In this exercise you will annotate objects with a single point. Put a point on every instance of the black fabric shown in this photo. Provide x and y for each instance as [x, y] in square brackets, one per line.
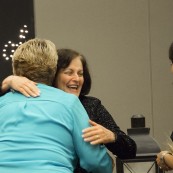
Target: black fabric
[171, 136]
[1, 89]
[1, 93]
[124, 147]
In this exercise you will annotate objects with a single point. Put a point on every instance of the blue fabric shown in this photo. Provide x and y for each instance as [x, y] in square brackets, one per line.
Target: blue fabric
[43, 135]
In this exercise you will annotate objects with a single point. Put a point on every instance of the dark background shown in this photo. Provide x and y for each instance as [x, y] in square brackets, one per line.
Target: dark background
[14, 14]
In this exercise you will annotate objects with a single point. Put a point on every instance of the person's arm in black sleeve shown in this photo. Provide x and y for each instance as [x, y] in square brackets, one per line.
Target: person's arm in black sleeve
[5, 85]
[1, 89]
[2, 92]
[123, 147]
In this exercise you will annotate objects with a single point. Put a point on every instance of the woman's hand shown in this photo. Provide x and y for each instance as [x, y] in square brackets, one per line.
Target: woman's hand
[161, 163]
[22, 85]
[98, 134]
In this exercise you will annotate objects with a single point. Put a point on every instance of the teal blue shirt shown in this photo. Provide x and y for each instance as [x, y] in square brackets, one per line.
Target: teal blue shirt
[43, 135]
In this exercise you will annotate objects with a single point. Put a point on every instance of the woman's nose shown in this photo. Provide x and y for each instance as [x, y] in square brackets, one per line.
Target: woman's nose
[76, 77]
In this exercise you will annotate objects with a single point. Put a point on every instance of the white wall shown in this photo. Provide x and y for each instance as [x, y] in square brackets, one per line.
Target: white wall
[126, 44]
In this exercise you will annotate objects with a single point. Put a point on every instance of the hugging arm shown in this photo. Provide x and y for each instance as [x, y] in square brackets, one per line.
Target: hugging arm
[20, 84]
[93, 158]
[123, 146]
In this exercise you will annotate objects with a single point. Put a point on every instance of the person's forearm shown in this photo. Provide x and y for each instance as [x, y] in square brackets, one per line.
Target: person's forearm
[168, 159]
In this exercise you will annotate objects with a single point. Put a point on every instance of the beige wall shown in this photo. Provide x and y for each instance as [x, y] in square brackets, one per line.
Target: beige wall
[126, 43]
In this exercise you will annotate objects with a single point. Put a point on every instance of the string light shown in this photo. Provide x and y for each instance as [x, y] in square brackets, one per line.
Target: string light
[11, 46]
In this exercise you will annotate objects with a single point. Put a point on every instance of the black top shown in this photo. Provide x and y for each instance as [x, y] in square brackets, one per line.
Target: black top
[124, 147]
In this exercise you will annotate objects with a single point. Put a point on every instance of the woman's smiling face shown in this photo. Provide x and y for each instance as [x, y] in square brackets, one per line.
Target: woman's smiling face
[71, 78]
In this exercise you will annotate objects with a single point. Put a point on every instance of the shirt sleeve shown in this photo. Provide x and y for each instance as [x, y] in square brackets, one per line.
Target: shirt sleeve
[124, 147]
[93, 158]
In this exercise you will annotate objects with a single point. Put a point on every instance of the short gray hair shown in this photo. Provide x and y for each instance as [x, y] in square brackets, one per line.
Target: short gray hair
[37, 60]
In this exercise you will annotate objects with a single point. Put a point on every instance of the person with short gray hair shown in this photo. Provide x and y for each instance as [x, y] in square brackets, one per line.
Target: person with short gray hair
[44, 134]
